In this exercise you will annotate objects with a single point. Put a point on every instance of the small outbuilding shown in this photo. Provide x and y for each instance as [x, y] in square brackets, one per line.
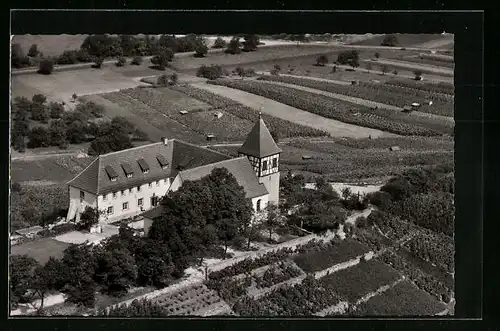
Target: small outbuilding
[407, 109]
[306, 157]
[394, 148]
[210, 137]
[183, 112]
[218, 114]
[415, 105]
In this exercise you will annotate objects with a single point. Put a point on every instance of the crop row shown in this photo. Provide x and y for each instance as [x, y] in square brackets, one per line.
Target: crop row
[283, 128]
[333, 254]
[431, 61]
[275, 275]
[410, 143]
[171, 127]
[353, 283]
[404, 299]
[392, 226]
[436, 248]
[304, 299]
[441, 87]
[426, 282]
[387, 94]
[438, 57]
[326, 107]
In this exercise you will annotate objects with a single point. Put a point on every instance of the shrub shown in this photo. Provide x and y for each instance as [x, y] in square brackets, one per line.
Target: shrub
[98, 62]
[274, 72]
[219, 43]
[67, 57]
[18, 58]
[398, 188]
[83, 56]
[390, 40]
[212, 72]
[234, 46]
[56, 110]
[277, 67]
[322, 60]
[39, 137]
[137, 60]
[46, 67]
[121, 61]
[33, 51]
[200, 48]
[348, 57]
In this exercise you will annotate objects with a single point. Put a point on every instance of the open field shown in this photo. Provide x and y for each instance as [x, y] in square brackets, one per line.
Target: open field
[286, 112]
[41, 249]
[404, 299]
[424, 68]
[50, 45]
[410, 40]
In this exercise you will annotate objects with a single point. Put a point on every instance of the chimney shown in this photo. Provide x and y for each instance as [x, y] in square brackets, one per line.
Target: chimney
[164, 140]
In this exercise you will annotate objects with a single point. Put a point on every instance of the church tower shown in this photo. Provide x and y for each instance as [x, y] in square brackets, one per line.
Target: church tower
[263, 154]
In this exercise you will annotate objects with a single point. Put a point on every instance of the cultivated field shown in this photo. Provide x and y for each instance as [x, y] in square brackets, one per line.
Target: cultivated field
[50, 45]
[283, 111]
[41, 249]
[412, 40]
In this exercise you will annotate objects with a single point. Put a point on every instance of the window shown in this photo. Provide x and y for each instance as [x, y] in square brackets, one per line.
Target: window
[114, 195]
[82, 195]
[125, 205]
[264, 166]
[130, 190]
[129, 175]
[157, 183]
[154, 201]
[104, 197]
[123, 192]
[258, 205]
[138, 188]
[110, 210]
[150, 185]
[140, 202]
[165, 181]
[275, 162]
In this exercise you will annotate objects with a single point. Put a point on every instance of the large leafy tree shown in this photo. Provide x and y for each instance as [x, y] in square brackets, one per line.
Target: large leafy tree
[116, 270]
[22, 271]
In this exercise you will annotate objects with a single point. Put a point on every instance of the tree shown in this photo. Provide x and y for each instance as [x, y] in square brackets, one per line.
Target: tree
[22, 271]
[210, 72]
[384, 68]
[240, 71]
[56, 110]
[46, 67]
[219, 43]
[128, 44]
[234, 46]
[112, 142]
[58, 131]
[348, 57]
[394, 72]
[227, 231]
[162, 58]
[39, 113]
[322, 60]
[89, 217]
[418, 74]
[368, 66]
[98, 61]
[67, 57]
[250, 43]
[115, 271]
[346, 193]
[200, 47]
[18, 58]
[39, 137]
[79, 262]
[33, 51]
[272, 219]
[121, 61]
[137, 60]
[74, 97]
[154, 262]
[321, 183]
[102, 46]
[277, 67]
[390, 40]
[174, 78]
[76, 132]
[398, 188]
[377, 55]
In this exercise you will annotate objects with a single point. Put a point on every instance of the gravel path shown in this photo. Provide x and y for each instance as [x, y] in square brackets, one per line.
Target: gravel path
[276, 109]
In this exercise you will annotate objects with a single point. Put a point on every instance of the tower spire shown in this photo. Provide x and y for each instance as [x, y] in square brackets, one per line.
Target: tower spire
[260, 113]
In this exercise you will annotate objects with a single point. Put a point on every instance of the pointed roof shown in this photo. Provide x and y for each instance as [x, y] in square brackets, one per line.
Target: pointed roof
[259, 142]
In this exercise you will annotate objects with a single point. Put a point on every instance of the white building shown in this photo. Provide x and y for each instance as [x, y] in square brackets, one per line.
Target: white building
[129, 182]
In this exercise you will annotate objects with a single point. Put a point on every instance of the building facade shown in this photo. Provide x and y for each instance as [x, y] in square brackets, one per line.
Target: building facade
[130, 182]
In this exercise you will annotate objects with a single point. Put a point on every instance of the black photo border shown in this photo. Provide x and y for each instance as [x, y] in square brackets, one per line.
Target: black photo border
[468, 29]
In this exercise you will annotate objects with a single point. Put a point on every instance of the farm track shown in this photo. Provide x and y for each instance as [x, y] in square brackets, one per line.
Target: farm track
[414, 66]
[285, 112]
[431, 79]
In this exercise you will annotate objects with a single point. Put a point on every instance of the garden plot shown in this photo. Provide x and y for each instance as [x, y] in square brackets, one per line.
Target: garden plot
[404, 299]
[268, 106]
[196, 300]
[337, 252]
[414, 66]
[41, 250]
[354, 283]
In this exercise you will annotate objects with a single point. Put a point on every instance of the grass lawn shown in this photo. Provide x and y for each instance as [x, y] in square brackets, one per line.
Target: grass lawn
[353, 283]
[404, 299]
[57, 169]
[40, 249]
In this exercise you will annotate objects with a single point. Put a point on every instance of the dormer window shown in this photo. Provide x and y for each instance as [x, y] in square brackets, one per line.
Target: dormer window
[143, 165]
[113, 176]
[162, 161]
[127, 169]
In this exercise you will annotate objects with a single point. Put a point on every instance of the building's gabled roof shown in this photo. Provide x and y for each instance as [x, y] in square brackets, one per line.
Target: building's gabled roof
[95, 179]
[259, 142]
[239, 167]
